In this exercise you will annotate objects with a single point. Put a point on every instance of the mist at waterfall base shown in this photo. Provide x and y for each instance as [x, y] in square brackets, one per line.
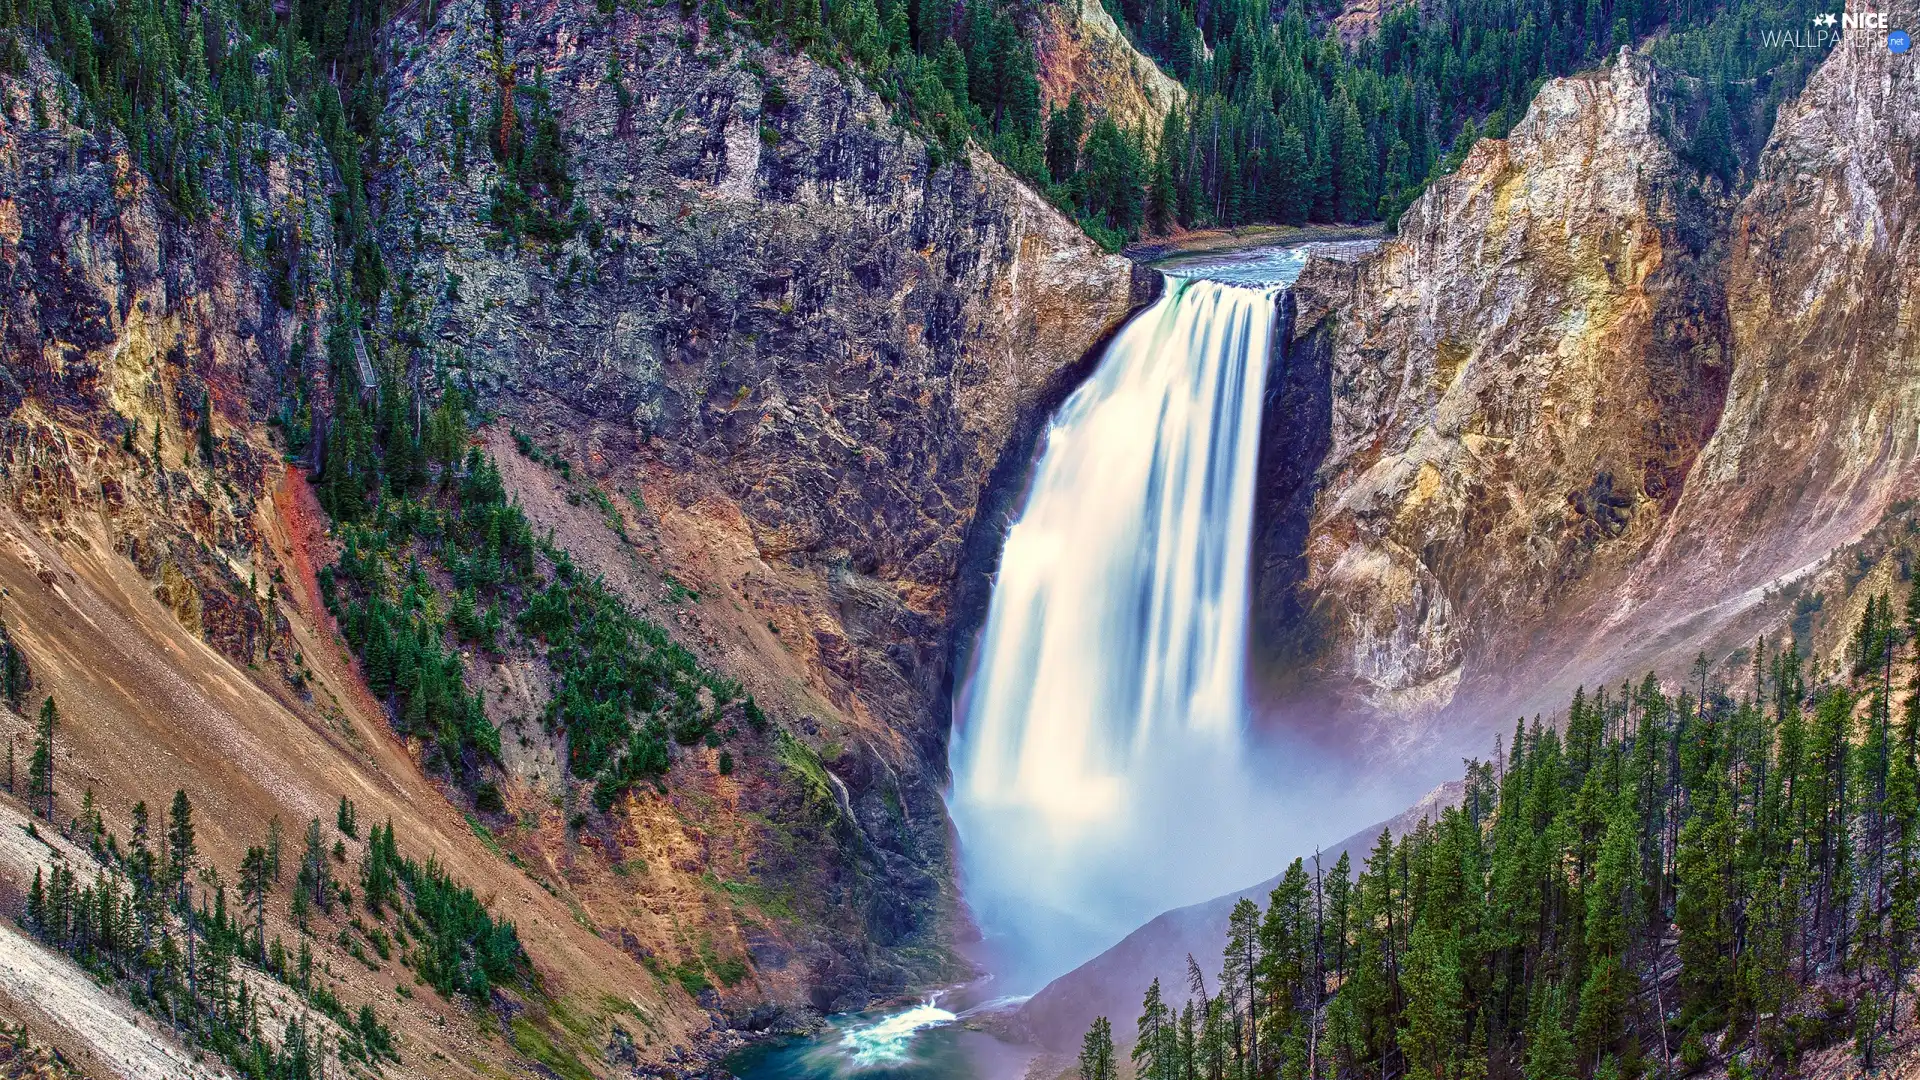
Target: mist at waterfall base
[1102, 770]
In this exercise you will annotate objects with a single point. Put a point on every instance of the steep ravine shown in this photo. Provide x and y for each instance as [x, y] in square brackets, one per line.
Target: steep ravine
[1578, 420]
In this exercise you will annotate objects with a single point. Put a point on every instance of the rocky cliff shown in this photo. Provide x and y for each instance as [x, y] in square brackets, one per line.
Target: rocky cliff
[803, 348]
[144, 351]
[1586, 417]
[1819, 440]
[1518, 388]
[1583, 417]
[156, 568]
[774, 386]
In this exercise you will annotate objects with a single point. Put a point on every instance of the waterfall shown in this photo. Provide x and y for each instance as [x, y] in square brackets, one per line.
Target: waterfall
[1101, 724]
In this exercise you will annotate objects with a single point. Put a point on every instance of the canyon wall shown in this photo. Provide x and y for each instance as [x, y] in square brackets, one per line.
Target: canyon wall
[776, 388]
[157, 563]
[1584, 413]
[803, 346]
[1083, 52]
[144, 352]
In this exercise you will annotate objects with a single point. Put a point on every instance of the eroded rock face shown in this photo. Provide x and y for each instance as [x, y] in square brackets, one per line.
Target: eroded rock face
[1820, 435]
[806, 347]
[1582, 414]
[1082, 51]
[1519, 381]
[128, 328]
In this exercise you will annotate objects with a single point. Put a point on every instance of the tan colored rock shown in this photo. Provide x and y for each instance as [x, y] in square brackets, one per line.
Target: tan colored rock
[1081, 50]
[1570, 444]
[1820, 436]
[1494, 438]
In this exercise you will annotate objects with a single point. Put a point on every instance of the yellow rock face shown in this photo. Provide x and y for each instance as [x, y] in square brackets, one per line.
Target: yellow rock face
[1568, 446]
[1081, 50]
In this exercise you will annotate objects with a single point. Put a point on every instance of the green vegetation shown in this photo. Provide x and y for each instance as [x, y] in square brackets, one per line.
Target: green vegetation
[157, 924]
[531, 1041]
[1764, 841]
[612, 667]
[419, 523]
[955, 72]
[463, 949]
[196, 97]
[16, 679]
[40, 765]
[534, 195]
[1096, 1049]
[774, 905]
[1285, 124]
[390, 609]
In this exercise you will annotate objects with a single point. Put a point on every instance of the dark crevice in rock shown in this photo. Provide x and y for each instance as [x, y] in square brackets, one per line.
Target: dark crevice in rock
[1296, 431]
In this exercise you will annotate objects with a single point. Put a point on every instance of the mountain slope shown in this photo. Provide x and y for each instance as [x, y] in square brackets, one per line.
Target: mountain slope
[775, 403]
[787, 350]
[1582, 420]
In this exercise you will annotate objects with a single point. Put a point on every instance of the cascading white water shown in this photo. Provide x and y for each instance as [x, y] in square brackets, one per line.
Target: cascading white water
[1102, 721]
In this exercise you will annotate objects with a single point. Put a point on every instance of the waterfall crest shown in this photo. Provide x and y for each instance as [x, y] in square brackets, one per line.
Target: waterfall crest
[1108, 678]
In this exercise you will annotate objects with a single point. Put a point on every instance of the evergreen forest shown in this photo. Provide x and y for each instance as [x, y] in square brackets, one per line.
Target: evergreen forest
[1681, 876]
[156, 919]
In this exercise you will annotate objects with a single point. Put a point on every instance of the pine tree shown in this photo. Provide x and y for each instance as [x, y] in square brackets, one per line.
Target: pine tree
[204, 434]
[1320, 178]
[1065, 129]
[37, 915]
[1353, 163]
[1713, 142]
[182, 852]
[379, 869]
[1156, 1051]
[1238, 969]
[315, 881]
[1434, 1022]
[15, 679]
[1339, 906]
[1292, 178]
[1549, 1053]
[1096, 1052]
[1163, 196]
[256, 883]
[40, 766]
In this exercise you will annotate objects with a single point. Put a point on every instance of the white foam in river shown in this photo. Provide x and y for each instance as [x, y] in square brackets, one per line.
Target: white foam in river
[889, 1040]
